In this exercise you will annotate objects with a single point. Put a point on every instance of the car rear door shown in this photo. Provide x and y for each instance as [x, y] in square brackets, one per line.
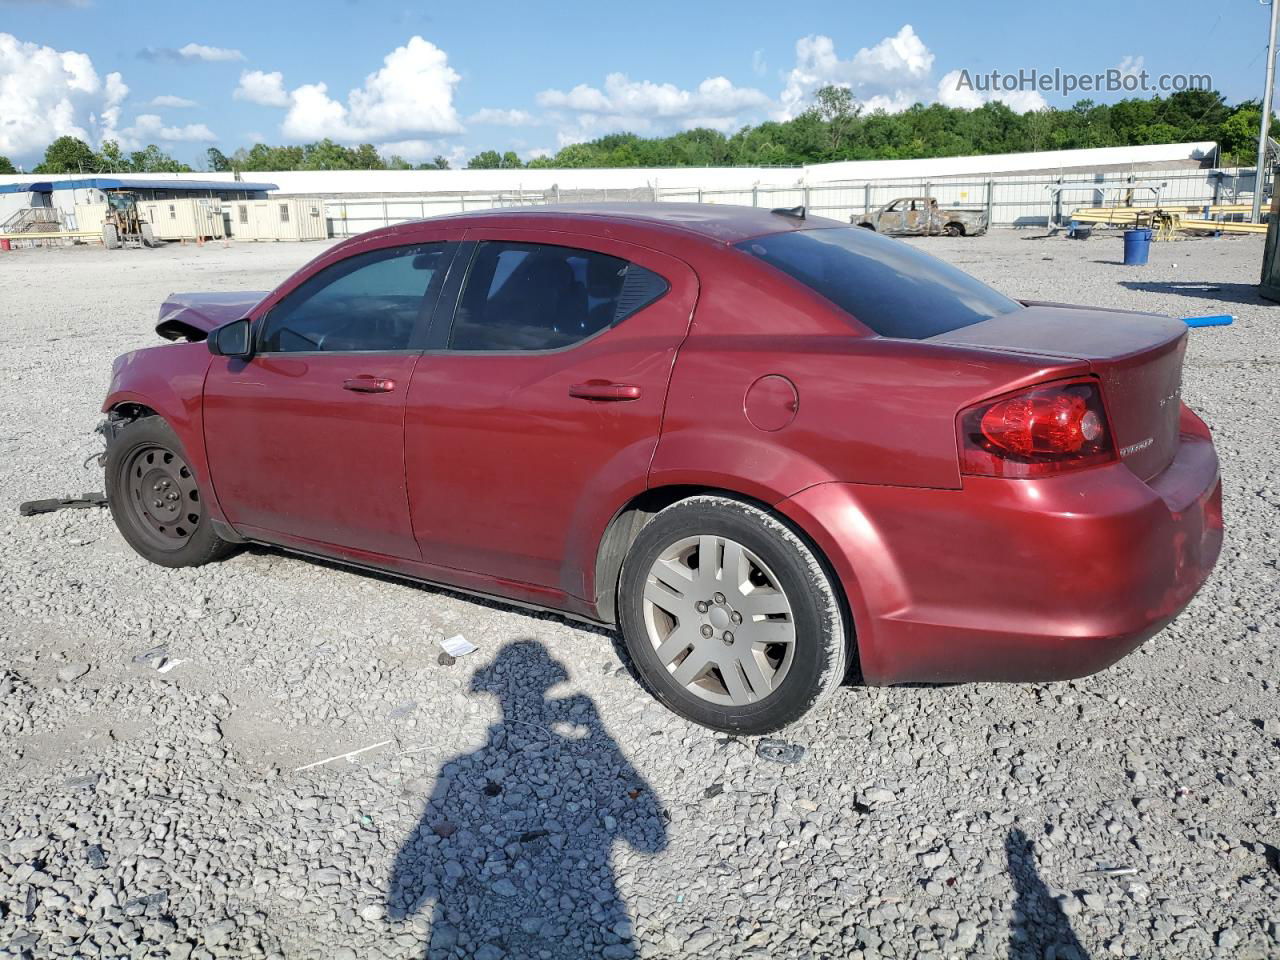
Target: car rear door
[539, 410]
[305, 439]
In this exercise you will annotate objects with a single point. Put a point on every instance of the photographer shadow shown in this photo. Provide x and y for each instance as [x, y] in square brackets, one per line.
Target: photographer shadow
[514, 851]
[1045, 930]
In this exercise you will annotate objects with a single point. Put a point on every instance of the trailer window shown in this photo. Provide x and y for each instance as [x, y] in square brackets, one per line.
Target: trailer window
[284, 213]
[891, 287]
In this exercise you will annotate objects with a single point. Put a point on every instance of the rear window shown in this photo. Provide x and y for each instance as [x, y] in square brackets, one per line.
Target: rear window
[889, 286]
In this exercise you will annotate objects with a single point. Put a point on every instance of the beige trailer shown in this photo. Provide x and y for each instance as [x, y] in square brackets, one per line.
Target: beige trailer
[279, 219]
[186, 219]
[90, 216]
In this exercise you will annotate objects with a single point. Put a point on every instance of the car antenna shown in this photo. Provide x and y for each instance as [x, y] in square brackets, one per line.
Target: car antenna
[797, 212]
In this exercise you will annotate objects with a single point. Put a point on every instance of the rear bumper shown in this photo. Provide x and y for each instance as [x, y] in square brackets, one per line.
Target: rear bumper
[1017, 580]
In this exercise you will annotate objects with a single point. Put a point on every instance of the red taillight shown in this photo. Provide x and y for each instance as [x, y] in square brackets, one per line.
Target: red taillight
[1039, 431]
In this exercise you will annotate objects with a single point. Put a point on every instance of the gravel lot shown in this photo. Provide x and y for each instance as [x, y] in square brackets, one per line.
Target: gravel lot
[530, 800]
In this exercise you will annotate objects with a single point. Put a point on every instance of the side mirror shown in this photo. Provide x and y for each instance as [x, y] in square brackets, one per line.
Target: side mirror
[231, 340]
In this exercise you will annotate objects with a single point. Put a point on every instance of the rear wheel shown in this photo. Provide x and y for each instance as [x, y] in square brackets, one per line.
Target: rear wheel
[155, 499]
[148, 235]
[954, 229]
[110, 236]
[867, 226]
[729, 617]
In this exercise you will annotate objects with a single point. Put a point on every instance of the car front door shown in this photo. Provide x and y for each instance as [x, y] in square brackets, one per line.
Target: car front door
[891, 218]
[305, 439]
[543, 407]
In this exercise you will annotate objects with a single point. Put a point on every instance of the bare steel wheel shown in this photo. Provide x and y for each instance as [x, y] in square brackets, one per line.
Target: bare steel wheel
[730, 618]
[163, 495]
[718, 620]
[156, 499]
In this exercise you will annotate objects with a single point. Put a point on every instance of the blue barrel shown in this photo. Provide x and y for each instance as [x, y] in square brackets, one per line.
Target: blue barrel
[1137, 246]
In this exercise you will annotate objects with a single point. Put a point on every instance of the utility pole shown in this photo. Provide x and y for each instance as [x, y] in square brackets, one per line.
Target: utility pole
[1259, 176]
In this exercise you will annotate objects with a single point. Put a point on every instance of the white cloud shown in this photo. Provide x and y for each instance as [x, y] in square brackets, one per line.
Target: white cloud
[539, 152]
[411, 94]
[114, 92]
[1131, 66]
[47, 93]
[953, 93]
[502, 118]
[1022, 101]
[420, 151]
[758, 65]
[199, 51]
[149, 128]
[642, 106]
[415, 151]
[168, 100]
[262, 88]
[891, 75]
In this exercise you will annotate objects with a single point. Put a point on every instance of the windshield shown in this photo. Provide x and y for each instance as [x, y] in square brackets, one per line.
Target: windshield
[889, 286]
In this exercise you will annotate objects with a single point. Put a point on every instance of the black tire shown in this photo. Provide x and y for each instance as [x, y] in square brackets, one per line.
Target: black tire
[821, 647]
[954, 229]
[868, 226]
[147, 452]
[148, 236]
[110, 236]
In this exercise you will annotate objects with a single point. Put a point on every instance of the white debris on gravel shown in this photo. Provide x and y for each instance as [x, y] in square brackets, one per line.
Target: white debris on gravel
[534, 801]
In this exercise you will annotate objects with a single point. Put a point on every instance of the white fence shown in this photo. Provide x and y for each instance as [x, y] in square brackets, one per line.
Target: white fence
[1009, 201]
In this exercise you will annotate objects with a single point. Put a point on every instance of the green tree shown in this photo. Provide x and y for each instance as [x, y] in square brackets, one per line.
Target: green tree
[327, 155]
[6, 165]
[365, 157]
[576, 155]
[833, 128]
[838, 111]
[1238, 134]
[486, 160]
[111, 159]
[154, 160]
[397, 162]
[218, 161]
[67, 155]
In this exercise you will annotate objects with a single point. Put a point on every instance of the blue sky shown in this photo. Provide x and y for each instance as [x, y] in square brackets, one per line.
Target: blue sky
[424, 79]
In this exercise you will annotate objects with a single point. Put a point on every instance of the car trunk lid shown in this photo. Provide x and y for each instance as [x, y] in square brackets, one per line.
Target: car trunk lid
[1136, 356]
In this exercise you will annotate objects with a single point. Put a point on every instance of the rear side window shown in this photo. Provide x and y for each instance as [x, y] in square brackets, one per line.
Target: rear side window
[371, 301]
[891, 287]
[528, 296]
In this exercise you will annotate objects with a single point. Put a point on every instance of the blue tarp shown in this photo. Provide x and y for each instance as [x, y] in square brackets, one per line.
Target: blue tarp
[114, 183]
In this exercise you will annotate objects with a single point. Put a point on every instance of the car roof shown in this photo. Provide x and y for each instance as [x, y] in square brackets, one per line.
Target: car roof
[721, 222]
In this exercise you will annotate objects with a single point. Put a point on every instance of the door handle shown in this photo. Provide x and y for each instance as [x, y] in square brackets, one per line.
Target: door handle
[369, 385]
[604, 390]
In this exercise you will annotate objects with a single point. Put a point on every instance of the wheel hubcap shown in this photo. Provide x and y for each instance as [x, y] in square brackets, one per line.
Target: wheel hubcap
[163, 496]
[719, 620]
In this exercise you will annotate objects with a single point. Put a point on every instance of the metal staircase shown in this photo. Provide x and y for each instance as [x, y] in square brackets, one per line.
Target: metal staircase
[33, 220]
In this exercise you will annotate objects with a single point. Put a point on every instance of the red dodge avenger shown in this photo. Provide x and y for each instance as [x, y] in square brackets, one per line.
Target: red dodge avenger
[765, 445]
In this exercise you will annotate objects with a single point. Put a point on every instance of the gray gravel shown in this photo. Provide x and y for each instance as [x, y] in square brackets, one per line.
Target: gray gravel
[529, 800]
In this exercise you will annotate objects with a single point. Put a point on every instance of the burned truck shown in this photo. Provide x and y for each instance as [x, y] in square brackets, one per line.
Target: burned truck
[922, 217]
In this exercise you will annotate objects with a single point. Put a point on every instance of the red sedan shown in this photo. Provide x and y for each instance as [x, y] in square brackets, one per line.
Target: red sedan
[764, 445]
